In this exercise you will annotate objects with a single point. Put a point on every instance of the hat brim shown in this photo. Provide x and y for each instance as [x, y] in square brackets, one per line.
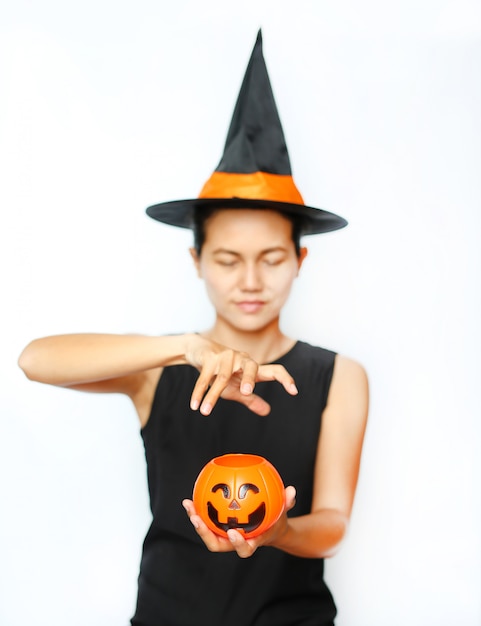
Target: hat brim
[180, 212]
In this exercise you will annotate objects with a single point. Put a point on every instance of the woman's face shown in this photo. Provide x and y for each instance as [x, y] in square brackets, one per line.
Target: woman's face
[248, 262]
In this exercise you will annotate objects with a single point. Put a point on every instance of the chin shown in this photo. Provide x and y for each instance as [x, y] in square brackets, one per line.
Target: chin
[252, 323]
[249, 323]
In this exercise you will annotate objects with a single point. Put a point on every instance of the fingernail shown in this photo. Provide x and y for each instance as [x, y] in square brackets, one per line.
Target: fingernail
[246, 388]
[293, 388]
[195, 523]
[206, 408]
[194, 405]
[232, 537]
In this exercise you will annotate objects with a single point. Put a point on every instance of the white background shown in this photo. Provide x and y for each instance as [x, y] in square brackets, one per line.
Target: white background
[109, 106]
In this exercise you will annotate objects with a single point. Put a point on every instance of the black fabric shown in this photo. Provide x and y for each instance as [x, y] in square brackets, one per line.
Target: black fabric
[181, 583]
[255, 140]
[181, 212]
[255, 143]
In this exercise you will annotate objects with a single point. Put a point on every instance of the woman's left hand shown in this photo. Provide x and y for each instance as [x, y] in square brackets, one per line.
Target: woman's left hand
[236, 540]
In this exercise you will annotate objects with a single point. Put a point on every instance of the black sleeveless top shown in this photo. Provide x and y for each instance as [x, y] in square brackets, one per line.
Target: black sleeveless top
[181, 583]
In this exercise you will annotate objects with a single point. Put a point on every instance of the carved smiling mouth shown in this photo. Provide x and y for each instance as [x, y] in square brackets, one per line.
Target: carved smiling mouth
[255, 519]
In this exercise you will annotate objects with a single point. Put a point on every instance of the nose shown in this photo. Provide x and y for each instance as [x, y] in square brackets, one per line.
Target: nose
[251, 279]
[234, 505]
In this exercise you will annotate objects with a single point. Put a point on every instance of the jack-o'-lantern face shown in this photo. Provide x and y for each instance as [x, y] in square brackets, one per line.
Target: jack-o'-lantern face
[242, 491]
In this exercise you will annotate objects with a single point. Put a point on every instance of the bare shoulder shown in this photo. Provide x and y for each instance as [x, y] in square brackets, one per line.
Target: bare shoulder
[348, 371]
[349, 391]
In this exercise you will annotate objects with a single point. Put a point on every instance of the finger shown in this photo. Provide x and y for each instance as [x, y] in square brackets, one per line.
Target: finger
[256, 404]
[279, 373]
[243, 548]
[202, 395]
[218, 385]
[237, 366]
[290, 494]
[249, 373]
[213, 542]
[201, 387]
[253, 402]
[189, 507]
[218, 380]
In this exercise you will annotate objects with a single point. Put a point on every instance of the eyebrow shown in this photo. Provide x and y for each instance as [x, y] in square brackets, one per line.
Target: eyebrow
[266, 251]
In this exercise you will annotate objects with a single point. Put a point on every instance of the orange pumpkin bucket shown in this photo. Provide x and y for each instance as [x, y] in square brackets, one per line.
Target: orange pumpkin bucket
[241, 491]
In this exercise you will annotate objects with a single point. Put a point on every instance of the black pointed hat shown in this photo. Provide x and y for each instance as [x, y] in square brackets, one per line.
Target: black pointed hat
[254, 171]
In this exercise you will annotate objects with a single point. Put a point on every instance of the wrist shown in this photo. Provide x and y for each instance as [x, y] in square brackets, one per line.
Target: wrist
[172, 349]
[190, 343]
[282, 537]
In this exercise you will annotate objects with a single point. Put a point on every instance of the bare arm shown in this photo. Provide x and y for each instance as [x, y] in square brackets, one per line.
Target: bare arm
[132, 364]
[318, 534]
[79, 359]
[337, 466]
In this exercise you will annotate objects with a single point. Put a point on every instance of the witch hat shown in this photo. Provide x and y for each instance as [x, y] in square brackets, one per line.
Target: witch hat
[254, 171]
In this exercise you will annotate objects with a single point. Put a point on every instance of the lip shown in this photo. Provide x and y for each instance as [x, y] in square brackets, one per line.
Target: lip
[250, 306]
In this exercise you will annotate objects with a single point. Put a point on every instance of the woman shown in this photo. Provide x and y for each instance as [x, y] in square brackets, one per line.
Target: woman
[240, 386]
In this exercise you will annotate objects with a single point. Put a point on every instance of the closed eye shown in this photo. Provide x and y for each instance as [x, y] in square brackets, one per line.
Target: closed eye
[224, 263]
[226, 258]
[274, 259]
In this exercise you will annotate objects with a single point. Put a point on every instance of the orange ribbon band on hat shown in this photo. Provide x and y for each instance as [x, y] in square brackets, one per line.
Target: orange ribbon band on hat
[254, 186]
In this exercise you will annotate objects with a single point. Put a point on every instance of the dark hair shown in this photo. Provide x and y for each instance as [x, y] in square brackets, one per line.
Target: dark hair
[201, 217]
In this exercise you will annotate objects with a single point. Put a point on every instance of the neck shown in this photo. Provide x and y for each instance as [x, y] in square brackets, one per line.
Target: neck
[264, 345]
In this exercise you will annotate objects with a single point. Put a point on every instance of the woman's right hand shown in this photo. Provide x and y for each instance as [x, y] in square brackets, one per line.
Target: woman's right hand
[122, 363]
[231, 375]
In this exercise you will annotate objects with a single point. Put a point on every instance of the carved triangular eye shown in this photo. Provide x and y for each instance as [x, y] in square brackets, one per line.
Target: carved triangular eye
[224, 487]
[243, 489]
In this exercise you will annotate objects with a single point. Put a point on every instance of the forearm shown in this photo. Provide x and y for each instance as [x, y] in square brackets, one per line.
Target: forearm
[317, 535]
[66, 360]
